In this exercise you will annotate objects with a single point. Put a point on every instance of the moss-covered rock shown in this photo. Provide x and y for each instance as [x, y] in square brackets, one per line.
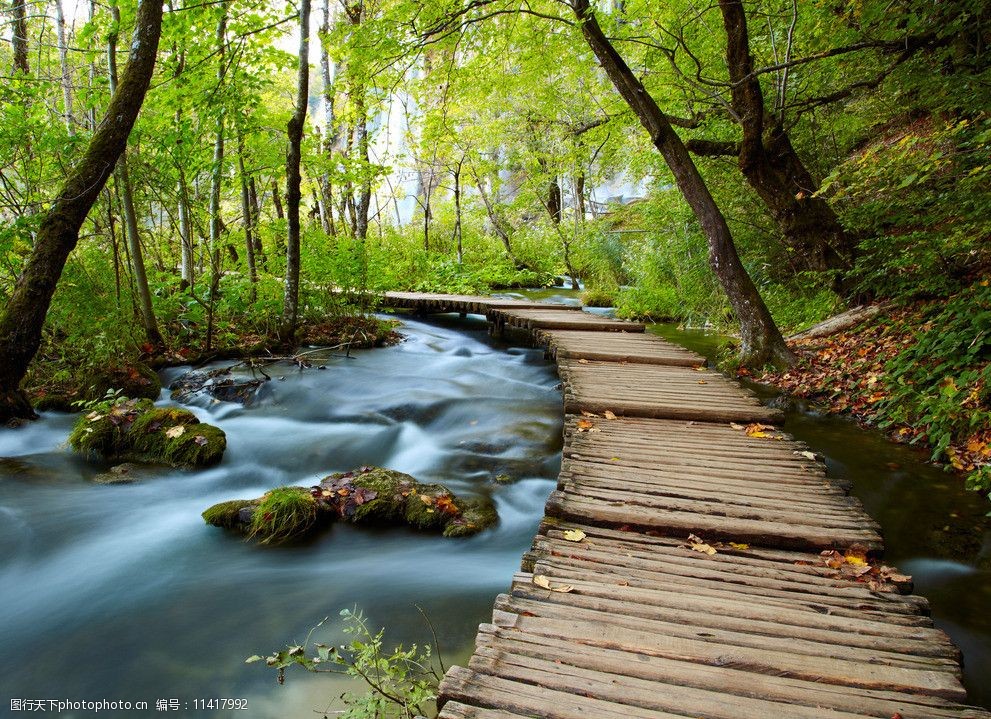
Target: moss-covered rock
[370, 495]
[137, 431]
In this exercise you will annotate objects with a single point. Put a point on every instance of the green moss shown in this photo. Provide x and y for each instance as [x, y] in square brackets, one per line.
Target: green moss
[370, 495]
[137, 431]
[228, 514]
[283, 514]
[476, 514]
[134, 380]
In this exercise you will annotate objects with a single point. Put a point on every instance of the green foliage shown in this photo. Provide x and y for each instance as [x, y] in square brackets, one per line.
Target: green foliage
[285, 513]
[941, 383]
[402, 683]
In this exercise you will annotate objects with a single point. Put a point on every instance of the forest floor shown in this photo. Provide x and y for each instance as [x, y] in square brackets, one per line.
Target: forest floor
[858, 372]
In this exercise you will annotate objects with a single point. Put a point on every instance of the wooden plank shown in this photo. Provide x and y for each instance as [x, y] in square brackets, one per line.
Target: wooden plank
[457, 710]
[542, 318]
[665, 672]
[466, 686]
[830, 670]
[623, 347]
[731, 529]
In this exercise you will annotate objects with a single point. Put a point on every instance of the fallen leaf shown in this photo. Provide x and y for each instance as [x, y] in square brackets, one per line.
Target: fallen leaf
[586, 413]
[574, 535]
[609, 415]
[739, 545]
[176, 431]
[734, 425]
[583, 361]
[807, 455]
[702, 381]
[544, 583]
[696, 543]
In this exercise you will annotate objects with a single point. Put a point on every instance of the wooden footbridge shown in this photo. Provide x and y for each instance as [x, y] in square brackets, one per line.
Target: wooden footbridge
[692, 562]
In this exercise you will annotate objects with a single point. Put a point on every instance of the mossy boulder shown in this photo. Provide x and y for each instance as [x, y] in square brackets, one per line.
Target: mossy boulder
[369, 495]
[136, 430]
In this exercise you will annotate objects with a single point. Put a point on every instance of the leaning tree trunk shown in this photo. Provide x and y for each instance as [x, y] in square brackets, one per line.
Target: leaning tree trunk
[123, 180]
[24, 315]
[771, 166]
[760, 339]
[290, 306]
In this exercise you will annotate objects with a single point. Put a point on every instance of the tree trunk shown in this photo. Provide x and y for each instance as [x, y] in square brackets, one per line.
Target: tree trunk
[248, 216]
[24, 315]
[457, 210]
[365, 193]
[502, 228]
[260, 259]
[217, 173]
[771, 166]
[277, 201]
[19, 36]
[760, 339]
[327, 72]
[290, 307]
[123, 178]
[66, 76]
[187, 262]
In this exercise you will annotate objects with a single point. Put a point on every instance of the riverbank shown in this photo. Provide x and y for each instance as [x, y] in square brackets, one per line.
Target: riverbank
[920, 372]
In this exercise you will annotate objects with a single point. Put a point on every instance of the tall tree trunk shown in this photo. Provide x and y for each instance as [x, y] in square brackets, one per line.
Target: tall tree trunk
[327, 72]
[457, 209]
[260, 259]
[217, 173]
[187, 262]
[554, 200]
[760, 339]
[66, 76]
[123, 179]
[580, 195]
[771, 166]
[246, 211]
[24, 315]
[19, 35]
[290, 307]
[365, 192]
[277, 201]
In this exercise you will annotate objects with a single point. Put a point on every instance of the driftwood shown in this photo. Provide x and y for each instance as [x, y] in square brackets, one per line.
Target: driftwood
[838, 323]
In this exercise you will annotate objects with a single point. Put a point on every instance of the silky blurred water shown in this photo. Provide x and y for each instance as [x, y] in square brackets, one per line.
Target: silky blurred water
[122, 592]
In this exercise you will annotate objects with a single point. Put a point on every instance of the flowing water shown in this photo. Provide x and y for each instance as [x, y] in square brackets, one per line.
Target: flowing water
[121, 592]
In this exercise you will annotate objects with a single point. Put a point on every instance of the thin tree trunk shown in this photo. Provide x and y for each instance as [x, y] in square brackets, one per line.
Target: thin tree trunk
[66, 76]
[457, 209]
[290, 307]
[217, 174]
[760, 339]
[145, 307]
[19, 36]
[187, 263]
[771, 166]
[502, 228]
[327, 72]
[365, 195]
[277, 201]
[260, 259]
[246, 211]
[24, 316]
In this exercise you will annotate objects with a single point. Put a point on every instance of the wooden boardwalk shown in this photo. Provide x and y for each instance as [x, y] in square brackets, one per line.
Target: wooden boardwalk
[693, 562]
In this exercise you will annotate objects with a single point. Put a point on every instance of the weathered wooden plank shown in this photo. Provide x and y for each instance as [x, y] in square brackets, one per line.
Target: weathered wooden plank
[731, 529]
[466, 686]
[639, 348]
[457, 710]
[535, 319]
[830, 670]
[733, 682]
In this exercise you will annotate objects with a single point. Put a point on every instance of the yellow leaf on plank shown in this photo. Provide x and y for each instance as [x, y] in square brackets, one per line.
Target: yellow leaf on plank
[739, 545]
[695, 542]
[583, 361]
[574, 535]
[609, 415]
[702, 381]
[176, 431]
[544, 583]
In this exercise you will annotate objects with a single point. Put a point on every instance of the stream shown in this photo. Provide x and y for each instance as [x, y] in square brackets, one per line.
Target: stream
[122, 592]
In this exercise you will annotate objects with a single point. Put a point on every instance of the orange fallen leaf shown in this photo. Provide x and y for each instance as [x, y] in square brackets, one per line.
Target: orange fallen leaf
[544, 583]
